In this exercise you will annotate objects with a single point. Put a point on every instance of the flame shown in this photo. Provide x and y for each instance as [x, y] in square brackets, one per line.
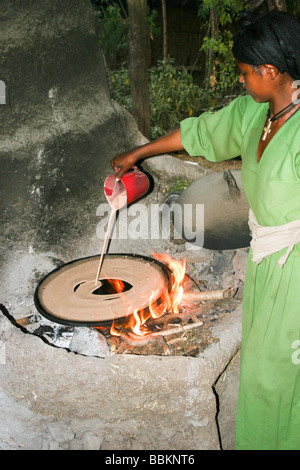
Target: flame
[114, 331]
[136, 323]
[117, 284]
[169, 301]
[177, 269]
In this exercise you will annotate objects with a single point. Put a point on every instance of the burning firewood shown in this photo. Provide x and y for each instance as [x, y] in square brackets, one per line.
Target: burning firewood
[132, 339]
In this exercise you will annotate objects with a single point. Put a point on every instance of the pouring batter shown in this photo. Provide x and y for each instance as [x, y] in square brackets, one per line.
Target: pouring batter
[117, 200]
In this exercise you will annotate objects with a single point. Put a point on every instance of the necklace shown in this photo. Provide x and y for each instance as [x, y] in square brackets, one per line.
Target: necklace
[276, 117]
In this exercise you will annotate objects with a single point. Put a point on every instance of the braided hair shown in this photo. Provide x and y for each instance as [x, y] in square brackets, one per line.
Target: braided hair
[271, 38]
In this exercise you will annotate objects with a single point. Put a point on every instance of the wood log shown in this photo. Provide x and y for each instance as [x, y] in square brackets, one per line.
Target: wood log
[209, 295]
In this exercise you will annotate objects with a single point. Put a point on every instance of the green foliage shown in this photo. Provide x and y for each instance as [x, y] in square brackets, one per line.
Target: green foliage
[155, 31]
[224, 73]
[173, 95]
[114, 28]
[121, 86]
[115, 25]
[293, 6]
[227, 10]
[179, 185]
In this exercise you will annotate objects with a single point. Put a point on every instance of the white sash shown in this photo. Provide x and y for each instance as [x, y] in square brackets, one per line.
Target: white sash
[267, 240]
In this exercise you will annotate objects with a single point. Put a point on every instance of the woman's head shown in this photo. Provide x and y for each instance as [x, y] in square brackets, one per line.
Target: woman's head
[271, 38]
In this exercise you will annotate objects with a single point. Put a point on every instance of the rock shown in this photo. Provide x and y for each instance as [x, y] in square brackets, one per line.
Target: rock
[204, 422]
[60, 432]
[89, 342]
[91, 442]
[228, 280]
[53, 445]
[240, 262]
[226, 389]
[23, 271]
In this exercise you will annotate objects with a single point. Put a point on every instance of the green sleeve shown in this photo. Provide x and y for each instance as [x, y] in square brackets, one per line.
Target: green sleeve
[216, 136]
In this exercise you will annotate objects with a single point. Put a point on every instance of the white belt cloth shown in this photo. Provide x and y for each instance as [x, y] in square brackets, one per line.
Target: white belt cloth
[267, 240]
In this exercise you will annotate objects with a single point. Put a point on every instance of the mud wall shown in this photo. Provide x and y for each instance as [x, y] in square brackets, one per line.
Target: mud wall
[59, 127]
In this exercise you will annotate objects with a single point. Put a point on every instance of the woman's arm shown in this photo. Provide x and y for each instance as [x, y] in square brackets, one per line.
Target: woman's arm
[168, 143]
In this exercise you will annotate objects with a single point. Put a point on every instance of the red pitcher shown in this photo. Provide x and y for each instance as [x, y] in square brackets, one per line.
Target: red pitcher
[133, 185]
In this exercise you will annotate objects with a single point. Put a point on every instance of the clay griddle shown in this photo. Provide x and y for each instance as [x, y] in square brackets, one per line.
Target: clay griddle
[69, 295]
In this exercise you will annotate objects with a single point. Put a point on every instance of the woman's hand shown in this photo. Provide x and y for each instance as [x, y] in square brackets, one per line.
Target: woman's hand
[123, 162]
[168, 143]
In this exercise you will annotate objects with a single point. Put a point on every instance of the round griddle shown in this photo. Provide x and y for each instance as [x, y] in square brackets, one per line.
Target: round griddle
[69, 295]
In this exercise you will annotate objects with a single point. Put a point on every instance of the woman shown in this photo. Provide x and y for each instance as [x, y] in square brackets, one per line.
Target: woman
[264, 129]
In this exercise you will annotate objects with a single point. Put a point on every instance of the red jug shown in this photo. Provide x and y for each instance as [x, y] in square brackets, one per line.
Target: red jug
[133, 185]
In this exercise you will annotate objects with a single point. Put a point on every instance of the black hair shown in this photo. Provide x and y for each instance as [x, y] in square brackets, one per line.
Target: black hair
[271, 38]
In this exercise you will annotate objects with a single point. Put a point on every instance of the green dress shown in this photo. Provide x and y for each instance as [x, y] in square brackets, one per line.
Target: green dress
[268, 411]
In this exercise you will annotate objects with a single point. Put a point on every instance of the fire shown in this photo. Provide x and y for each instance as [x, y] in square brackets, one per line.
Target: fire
[177, 276]
[136, 322]
[114, 331]
[117, 284]
[169, 302]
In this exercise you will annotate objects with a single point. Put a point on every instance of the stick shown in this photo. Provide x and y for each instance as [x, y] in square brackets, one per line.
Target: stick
[210, 295]
[134, 340]
[110, 223]
[11, 443]
[167, 318]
